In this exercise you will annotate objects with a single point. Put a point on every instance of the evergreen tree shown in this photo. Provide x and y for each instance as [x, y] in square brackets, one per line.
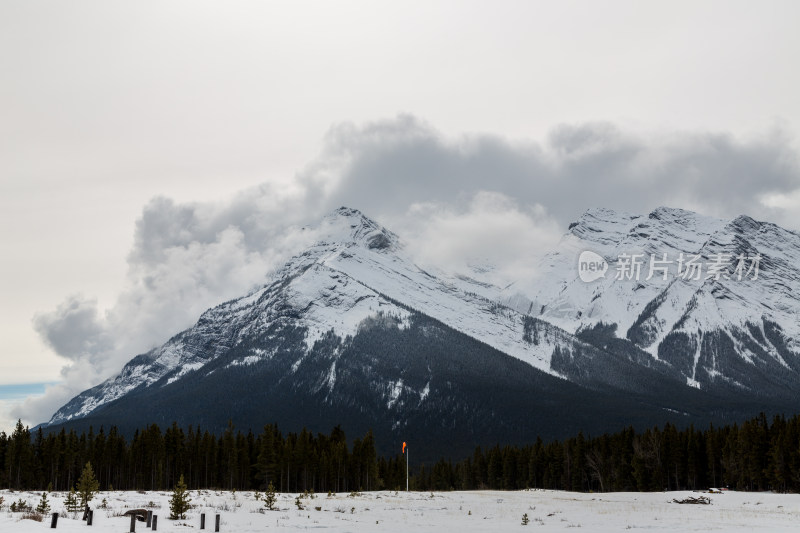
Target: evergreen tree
[19, 458]
[270, 498]
[179, 502]
[265, 466]
[44, 505]
[71, 502]
[87, 485]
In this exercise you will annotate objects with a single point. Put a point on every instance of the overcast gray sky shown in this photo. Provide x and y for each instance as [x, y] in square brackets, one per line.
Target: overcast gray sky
[157, 157]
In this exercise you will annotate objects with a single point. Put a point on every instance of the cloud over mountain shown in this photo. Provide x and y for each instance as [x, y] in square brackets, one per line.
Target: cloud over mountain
[455, 201]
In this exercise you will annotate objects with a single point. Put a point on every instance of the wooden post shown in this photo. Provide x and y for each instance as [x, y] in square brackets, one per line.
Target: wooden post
[133, 523]
[90, 518]
[216, 527]
[155, 522]
[149, 518]
[54, 521]
[202, 520]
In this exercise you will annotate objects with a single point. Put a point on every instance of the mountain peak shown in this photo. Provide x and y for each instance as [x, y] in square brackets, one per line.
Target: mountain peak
[744, 223]
[600, 215]
[667, 213]
[347, 212]
[601, 225]
[348, 225]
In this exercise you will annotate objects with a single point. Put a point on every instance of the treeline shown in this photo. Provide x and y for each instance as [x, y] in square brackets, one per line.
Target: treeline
[154, 459]
[756, 455]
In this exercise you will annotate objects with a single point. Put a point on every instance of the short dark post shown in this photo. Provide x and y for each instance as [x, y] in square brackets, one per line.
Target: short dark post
[149, 518]
[202, 520]
[155, 522]
[54, 521]
[216, 527]
[133, 523]
[90, 518]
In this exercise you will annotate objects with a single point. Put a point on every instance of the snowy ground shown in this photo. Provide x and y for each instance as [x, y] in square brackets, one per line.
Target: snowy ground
[447, 511]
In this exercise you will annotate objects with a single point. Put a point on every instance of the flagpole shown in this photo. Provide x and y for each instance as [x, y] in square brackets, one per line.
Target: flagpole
[406, 468]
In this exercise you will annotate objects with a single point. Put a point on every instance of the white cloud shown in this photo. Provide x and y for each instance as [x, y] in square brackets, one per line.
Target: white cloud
[7, 421]
[490, 230]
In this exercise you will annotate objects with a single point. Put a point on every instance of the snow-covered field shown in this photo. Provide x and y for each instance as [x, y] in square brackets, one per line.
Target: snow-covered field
[445, 511]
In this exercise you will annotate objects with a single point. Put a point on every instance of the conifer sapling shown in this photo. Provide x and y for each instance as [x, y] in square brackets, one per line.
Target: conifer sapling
[179, 502]
[44, 505]
[71, 502]
[87, 486]
[269, 497]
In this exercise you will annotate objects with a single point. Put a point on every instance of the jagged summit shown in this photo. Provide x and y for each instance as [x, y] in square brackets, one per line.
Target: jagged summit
[670, 213]
[602, 225]
[346, 225]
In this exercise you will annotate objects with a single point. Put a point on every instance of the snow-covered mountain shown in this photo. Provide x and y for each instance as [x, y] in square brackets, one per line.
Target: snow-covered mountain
[352, 331]
[355, 271]
[713, 329]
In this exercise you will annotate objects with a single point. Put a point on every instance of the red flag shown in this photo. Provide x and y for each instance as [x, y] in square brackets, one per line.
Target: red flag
[404, 447]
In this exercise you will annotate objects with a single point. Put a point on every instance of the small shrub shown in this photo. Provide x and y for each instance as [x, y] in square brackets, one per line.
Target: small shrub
[525, 519]
[32, 515]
